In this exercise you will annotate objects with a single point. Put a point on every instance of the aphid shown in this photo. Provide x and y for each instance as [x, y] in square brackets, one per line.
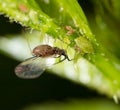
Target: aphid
[33, 67]
[70, 30]
[23, 8]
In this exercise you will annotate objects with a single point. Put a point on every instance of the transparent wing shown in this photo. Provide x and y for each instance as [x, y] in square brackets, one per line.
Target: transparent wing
[33, 67]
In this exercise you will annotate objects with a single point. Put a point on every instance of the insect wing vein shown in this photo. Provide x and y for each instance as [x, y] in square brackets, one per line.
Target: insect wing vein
[31, 68]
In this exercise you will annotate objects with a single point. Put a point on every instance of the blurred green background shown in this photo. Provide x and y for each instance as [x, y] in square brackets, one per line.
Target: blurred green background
[48, 92]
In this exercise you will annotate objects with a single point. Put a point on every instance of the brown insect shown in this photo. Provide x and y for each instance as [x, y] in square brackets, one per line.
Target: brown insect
[33, 67]
[70, 30]
[23, 8]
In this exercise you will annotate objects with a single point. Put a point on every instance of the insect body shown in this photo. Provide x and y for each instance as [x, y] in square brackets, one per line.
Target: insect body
[70, 30]
[33, 67]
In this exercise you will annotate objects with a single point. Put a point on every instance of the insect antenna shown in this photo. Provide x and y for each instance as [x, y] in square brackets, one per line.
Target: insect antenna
[29, 46]
[26, 31]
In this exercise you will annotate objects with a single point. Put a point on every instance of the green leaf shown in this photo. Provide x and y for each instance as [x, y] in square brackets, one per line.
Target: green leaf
[92, 104]
[92, 66]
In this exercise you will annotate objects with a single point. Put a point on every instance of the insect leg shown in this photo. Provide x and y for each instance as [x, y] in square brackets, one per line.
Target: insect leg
[60, 60]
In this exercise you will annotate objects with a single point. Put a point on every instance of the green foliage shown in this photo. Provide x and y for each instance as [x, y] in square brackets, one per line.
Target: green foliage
[93, 65]
[82, 105]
